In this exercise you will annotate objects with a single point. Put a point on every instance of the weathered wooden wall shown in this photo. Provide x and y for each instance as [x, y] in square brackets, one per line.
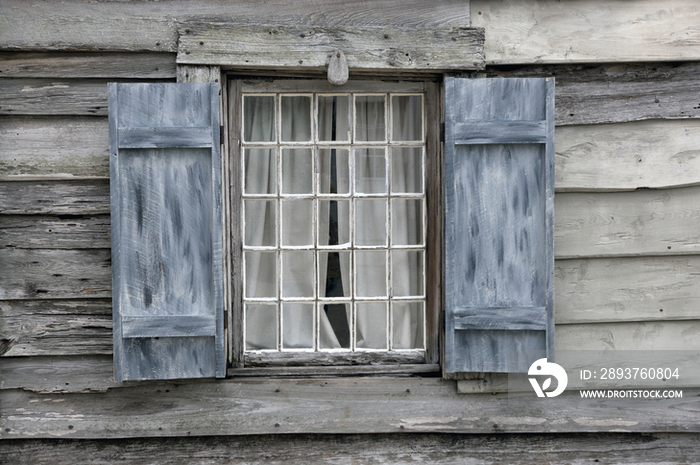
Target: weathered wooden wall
[627, 204]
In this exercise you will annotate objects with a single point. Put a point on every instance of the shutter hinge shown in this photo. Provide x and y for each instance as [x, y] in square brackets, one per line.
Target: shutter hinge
[221, 135]
[442, 132]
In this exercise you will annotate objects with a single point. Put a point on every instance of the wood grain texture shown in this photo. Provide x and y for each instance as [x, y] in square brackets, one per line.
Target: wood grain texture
[616, 93]
[88, 65]
[139, 26]
[198, 73]
[54, 197]
[584, 31]
[644, 222]
[55, 232]
[56, 327]
[340, 405]
[77, 373]
[365, 48]
[605, 290]
[53, 148]
[24, 96]
[627, 156]
[442, 449]
[498, 238]
[650, 335]
[55, 274]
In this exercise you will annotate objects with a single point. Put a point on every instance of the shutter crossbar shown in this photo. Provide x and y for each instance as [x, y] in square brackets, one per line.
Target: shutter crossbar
[154, 138]
[495, 318]
[500, 132]
[168, 326]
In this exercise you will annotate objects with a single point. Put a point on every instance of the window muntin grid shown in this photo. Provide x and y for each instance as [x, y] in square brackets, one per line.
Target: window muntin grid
[386, 258]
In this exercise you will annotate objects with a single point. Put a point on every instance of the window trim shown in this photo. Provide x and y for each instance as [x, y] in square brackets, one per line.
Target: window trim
[349, 363]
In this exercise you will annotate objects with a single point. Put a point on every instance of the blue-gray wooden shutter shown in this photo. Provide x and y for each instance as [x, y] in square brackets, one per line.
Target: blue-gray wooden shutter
[499, 192]
[165, 186]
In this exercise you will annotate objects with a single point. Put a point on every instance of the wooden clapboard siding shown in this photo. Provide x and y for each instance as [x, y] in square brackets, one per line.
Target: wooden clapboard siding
[650, 335]
[339, 405]
[616, 93]
[55, 232]
[627, 289]
[53, 147]
[140, 26]
[550, 31]
[626, 156]
[76, 373]
[24, 96]
[55, 274]
[57, 327]
[54, 197]
[88, 65]
[437, 449]
[645, 222]
[304, 47]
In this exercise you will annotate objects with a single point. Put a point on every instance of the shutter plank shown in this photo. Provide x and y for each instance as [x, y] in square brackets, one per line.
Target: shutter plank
[499, 208]
[166, 231]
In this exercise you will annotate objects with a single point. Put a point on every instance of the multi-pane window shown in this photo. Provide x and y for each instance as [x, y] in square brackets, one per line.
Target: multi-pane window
[333, 221]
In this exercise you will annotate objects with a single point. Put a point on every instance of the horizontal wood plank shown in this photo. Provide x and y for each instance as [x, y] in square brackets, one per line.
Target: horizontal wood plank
[56, 373]
[627, 289]
[367, 48]
[55, 274]
[140, 26]
[139, 138]
[500, 132]
[88, 65]
[56, 327]
[168, 326]
[339, 405]
[616, 93]
[442, 449]
[53, 97]
[644, 222]
[54, 197]
[627, 156]
[55, 232]
[54, 147]
[508, 318]
[586, 31]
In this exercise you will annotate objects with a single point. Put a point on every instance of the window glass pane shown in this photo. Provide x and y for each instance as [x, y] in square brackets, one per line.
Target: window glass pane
[407, 117]
[333, 118]
[297, 326]
[260, 326]
[333, 222]
[297, 171]
[407, 273]
[370, 118]
[370, 222]
[370, 170]
[297, 274]
[407, 170]
[259, 118]
[334, 171]
[260, 223]
[407, 325]
[334, 326]
[407, 222]
[371, 273]
[260, 171]
[296, 118]
[334, 276]
[261, 274]
[371, 320]
[297, 223]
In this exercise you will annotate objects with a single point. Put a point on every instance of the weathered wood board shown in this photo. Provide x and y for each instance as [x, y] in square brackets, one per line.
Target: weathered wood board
[656, 154]
[303, 47]
[54, 148]
[651, 335]
[552, 31]
[644, 222]
[55, 274]
[54, 197]
[53, 97]
[339, 405]
[88, 65]
[56, 327]
[604, 290]
[55, 232]
[91, 373]
[140, 26]
[437, 449]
